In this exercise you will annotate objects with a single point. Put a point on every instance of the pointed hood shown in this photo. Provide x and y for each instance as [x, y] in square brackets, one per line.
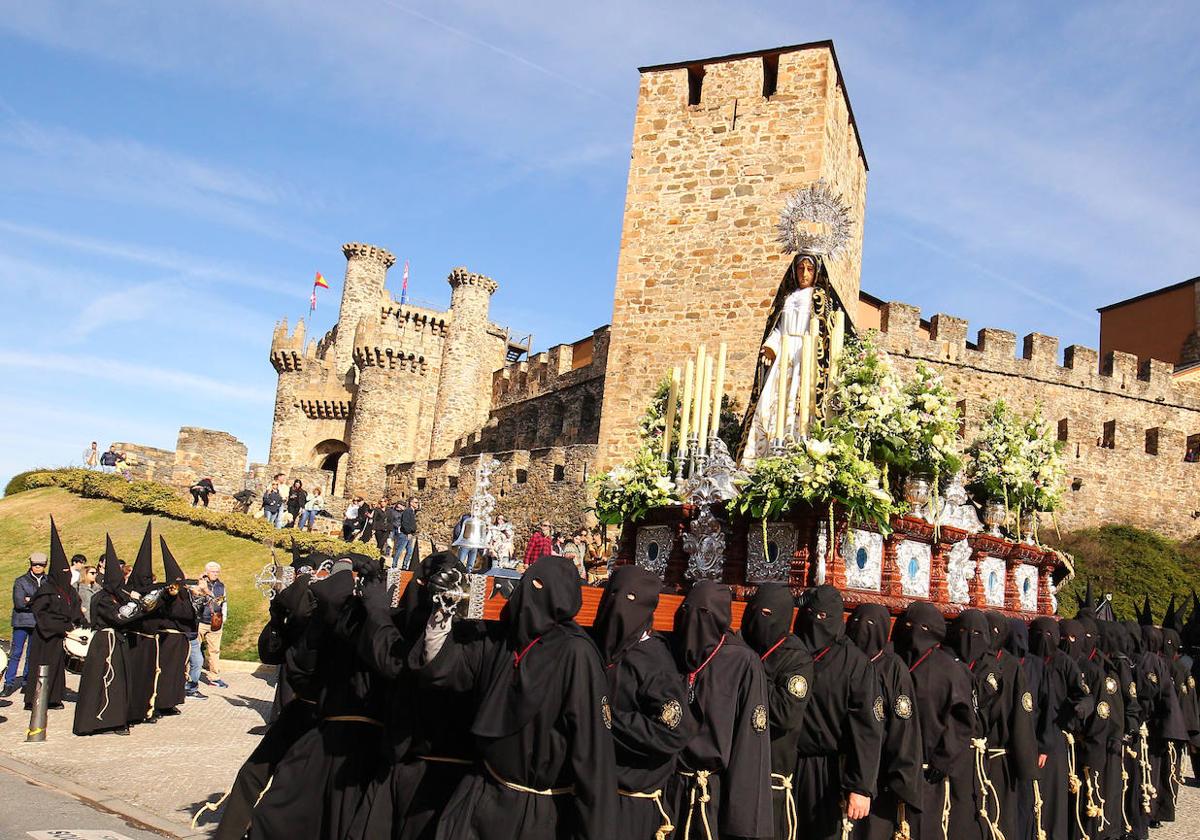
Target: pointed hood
[1087, 604]
[821, 620]
[997, 629]
[626, 611]
[971, 636]
[111, 576]
[701, 622]
[921, 628]
[1044, 636]
[1168, 622]
[60, 568]
[1017, 642]
[768, 617]
[142, 576]
[1146, 614]
[868, 628]
[171, 571]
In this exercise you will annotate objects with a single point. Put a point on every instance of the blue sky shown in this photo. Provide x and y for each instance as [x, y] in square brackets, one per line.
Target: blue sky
[171, 175]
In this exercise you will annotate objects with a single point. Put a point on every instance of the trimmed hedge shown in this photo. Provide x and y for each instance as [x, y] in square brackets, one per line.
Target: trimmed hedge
[19, 483]
[162, 500]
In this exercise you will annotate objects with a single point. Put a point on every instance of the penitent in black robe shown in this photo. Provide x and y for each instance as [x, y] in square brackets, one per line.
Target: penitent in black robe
[900, 774]
[56, 610]
[788, 666]
[543, 724]
[1079, 637]
[431, 744]
[177, 620]
[728, 760]
[325, 786]
[289, 610]
[945, 708]
[142, 637]
[842, 735]
[651, 720]
[1017, 646]
[104, 684]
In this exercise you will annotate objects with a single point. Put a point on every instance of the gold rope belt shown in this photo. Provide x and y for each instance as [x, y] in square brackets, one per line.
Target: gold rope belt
[1037, 809]
[664, 830]
[445, 759]
[784, 783]
[1095, 800]
[1074, 786]
[945, 805]
[1125, 788]
[1149, 792]
[697, 795]
[352, 719]
[903, 831]
[178, 632]
[500, 780]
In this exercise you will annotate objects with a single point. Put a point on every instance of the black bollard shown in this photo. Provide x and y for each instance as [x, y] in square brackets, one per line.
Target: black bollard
[41, 701]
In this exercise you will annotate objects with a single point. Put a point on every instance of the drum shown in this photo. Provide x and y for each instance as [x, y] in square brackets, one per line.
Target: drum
[75, 646]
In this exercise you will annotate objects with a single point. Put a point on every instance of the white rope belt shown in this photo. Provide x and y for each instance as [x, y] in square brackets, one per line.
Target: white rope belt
[664, 830]
[500, 780]
[986, 788]
[697, 795]
[784, 783]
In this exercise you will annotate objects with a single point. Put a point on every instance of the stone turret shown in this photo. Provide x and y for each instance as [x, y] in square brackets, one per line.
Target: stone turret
[362, 297]
[464, 385]
[384, 423]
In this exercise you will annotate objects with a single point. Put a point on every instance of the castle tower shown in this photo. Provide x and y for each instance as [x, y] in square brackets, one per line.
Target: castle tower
[718, 145]
[362, 297]
[464, 386]
[383, 425]
[288, 358]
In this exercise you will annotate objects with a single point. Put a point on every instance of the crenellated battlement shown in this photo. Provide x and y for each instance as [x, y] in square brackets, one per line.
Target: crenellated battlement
[994, 351]
[460, 276]
[369, 253]
[559, 367]
[383, 345]
[288, 351]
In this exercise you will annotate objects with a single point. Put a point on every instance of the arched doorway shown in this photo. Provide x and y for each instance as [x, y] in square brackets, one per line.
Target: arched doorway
[327, 455]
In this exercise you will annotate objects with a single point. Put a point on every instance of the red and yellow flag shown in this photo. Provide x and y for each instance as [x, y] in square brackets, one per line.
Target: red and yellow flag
[320, 281]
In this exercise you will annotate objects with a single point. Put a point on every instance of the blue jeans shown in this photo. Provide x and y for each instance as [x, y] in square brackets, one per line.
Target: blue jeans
[307, 518]
[195, 663]
[275, 518]
[20, 637]
[405, 543]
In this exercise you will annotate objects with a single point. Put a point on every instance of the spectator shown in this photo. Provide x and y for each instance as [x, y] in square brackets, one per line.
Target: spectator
[596, 561]
[575, 549]
[243, 498]
[364, 527]
[500, 542]
[272, 502]
[350, 520]
[125, 570]
[212, 615]
[87, 587]
[109, 459]
[381, 525]
[296, 501]
[91, 457]
[23, 621]
[199, 594]
[201, 490]
[539, 544]
[405, 532]
[78, 563]
[312, 507]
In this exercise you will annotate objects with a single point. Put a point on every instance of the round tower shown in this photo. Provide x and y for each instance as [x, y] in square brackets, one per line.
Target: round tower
[362, 297]
[384, 420]
[461, 404]
[287, 357]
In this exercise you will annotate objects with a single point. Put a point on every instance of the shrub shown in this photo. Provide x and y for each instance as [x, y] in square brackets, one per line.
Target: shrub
[28, 480]
[162, 500]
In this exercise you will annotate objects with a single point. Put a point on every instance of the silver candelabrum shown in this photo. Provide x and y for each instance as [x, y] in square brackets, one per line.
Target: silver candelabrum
[712, 479]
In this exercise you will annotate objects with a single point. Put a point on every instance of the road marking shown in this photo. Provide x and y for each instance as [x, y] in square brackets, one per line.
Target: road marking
[77, 834]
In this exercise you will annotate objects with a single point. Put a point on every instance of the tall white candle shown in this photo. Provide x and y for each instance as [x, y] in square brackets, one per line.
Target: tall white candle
[672, 396]
[706, 391]
[718, 391]
[781, 394]
[685, 418]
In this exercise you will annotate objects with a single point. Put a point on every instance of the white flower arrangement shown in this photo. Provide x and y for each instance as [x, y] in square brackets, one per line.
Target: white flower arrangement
[1017, 459]
[627, 492]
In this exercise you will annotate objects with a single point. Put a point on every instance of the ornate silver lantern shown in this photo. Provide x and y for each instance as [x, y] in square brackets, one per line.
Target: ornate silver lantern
[994, 515]
[916, 493]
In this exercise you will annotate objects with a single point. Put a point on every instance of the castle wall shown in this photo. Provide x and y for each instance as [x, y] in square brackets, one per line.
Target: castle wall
[1124, 424]
[217, 455]
[529, 486]
[699, 262]
[149, 462]
[362, 298]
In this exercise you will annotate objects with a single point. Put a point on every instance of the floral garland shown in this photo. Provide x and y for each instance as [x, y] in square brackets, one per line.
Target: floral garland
[628, 492]
[820, 470]
[1018, 460]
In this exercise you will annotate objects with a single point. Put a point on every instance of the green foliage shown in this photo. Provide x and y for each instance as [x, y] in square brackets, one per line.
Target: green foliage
[150, 497]
[653, 421]
[1017, 459]
[1130, 564]
[21, 482]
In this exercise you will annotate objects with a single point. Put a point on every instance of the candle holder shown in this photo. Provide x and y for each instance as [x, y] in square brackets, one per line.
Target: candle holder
[681, 459]
[694, 456]
[778, 448]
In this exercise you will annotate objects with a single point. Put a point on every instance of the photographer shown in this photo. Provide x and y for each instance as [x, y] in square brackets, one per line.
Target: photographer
[212, 617]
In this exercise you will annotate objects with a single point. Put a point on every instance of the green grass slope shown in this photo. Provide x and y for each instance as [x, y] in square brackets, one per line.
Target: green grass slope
[1130, 564]
[25, 528]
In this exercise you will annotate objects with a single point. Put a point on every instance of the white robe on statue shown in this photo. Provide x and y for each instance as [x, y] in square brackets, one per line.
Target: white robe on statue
[793, 320]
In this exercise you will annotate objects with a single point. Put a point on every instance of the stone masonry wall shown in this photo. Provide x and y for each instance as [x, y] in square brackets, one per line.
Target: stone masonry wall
[149, 462]
[529, 486]
[698, 260]
[1125, 424]
[217, 455]
[362, 296]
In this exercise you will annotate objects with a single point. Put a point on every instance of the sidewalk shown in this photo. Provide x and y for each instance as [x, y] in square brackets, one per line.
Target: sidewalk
[161, 773]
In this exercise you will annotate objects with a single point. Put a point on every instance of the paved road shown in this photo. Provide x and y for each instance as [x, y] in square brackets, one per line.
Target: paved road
[31, 810]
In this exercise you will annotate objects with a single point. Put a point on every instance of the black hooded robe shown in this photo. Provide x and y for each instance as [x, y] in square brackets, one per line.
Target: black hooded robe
[729, 759]
[842, 735]
[945, 707]
[900, 774]
[325, 786]
[433, 749]
[1091, 738]
[56, 609]
[788, 666]
[1166, 725]
[543, 724]
[1016, 645]
[104, 683]
[651, 720]
[141, 634]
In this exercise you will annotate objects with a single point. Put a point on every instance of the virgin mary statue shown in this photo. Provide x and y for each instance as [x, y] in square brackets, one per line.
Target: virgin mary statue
[792, 319]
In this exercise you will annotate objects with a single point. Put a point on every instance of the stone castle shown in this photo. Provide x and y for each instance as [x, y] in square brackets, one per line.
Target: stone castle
[399, 399]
